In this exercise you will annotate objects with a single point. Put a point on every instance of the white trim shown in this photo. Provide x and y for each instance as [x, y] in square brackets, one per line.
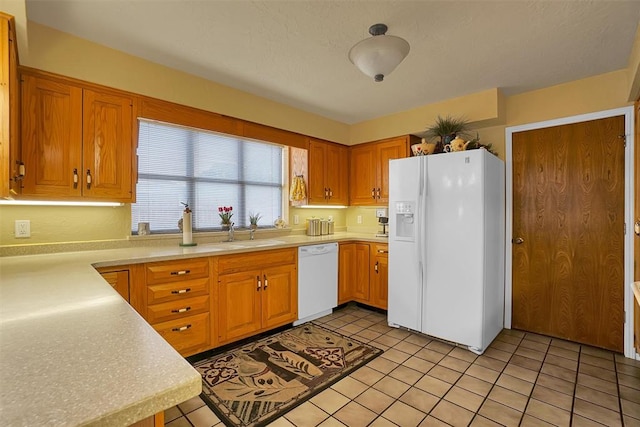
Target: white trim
[627, 112]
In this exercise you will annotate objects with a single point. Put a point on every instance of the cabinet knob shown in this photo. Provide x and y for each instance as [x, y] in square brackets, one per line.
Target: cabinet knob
[517, 240]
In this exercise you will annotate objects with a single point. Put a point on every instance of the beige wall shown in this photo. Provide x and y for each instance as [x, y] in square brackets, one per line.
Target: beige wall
[61, 53]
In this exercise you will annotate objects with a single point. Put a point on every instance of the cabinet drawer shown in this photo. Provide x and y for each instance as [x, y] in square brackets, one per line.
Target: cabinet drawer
[177, 309]
[188, 333]
[249, 261]
[175, 271]
[177, 291]
[380, 249]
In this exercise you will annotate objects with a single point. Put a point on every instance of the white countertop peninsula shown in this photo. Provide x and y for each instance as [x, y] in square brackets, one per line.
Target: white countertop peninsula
[73, 352]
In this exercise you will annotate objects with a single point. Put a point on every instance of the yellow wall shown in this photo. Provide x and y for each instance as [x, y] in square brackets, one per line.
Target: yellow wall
[61, 53]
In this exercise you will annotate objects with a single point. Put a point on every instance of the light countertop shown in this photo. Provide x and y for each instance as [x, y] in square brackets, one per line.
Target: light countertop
[73, 352]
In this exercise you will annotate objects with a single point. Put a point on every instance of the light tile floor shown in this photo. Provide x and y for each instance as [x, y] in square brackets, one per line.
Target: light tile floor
[522, 379]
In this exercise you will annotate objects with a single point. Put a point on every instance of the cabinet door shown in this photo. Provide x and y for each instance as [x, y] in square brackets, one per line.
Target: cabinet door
[361, 284]
[337, 178]
[393, 149]
[8, 107]
[238, 305]
[119, 280]
[362, 175]
[107, 147]
[279, 296]
[51, 137]
[347, 267]
[379, 277]
[317, 166]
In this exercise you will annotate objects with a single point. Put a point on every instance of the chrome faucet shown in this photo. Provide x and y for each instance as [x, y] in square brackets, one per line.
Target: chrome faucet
[230, 239]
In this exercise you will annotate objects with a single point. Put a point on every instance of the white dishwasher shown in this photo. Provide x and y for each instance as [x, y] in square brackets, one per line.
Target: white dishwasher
[317, 281]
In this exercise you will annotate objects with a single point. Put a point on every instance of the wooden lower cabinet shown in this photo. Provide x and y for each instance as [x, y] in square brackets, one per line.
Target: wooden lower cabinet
[118, 278]
[256, 292]
[363, 274]
[346, 272]
[379, 276]
[361, 285]
[177, 298]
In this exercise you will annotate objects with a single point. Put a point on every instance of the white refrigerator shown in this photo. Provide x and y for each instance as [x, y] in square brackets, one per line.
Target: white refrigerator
[446, 246]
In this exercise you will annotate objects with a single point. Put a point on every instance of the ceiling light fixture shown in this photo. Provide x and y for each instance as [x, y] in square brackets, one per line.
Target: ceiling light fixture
[379, 55]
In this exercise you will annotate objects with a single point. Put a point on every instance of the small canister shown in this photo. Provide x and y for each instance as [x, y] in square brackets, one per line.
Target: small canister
[330, 224]
[324, 227]
[313, 226]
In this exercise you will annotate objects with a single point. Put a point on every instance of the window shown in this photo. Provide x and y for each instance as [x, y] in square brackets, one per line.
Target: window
[207, 170]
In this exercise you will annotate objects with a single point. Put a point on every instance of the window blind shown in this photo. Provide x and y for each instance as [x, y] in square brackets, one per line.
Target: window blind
[207, 170]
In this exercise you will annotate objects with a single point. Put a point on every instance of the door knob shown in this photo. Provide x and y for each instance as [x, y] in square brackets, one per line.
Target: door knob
[517, 240]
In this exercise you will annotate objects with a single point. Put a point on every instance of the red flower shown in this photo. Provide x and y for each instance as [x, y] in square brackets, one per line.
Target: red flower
[220, 209]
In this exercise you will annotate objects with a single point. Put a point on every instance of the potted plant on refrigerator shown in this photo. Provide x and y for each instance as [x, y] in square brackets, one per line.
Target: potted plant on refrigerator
[447, 129]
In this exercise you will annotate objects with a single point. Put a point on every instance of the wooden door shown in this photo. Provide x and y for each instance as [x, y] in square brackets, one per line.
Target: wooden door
[393, 149]
[361, 284]
[51, 137]
[107, 133]
[379, 277]
[317, 167]
[238, 304]
[362, 175]
[347, 266]
[568, 207]
[279, 296]
[336, 174]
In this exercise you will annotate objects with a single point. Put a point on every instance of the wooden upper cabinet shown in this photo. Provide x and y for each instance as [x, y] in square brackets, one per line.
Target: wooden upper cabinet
[51, 137]
[370, 169]
[328, 178]
[76, 142]
[362, 175]
[8, 106]
[107, 149]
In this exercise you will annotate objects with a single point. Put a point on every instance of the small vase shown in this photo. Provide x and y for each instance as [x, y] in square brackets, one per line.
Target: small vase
[253, 226]
[225, 226]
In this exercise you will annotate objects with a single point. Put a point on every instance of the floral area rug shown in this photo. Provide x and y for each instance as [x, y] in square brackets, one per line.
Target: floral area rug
[258, 382]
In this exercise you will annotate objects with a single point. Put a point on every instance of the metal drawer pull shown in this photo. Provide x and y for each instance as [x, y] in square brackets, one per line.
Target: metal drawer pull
[376, 267]
[75, 178]
[181, 291]
[180, 273]
[88, 178]
[383, 251]
[181, 329]
[266, 283]
[373, 193]
[181, 310]
[259, 282]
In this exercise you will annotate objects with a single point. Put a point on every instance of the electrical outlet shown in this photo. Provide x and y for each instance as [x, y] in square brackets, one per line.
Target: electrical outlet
[359, 219]
[296, 220]
[382, 213]
[23, 228]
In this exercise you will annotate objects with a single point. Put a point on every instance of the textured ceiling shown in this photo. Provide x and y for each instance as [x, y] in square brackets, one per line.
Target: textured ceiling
[295, 52]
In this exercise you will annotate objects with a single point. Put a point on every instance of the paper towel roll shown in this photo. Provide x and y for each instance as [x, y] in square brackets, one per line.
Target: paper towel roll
[187, 237]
